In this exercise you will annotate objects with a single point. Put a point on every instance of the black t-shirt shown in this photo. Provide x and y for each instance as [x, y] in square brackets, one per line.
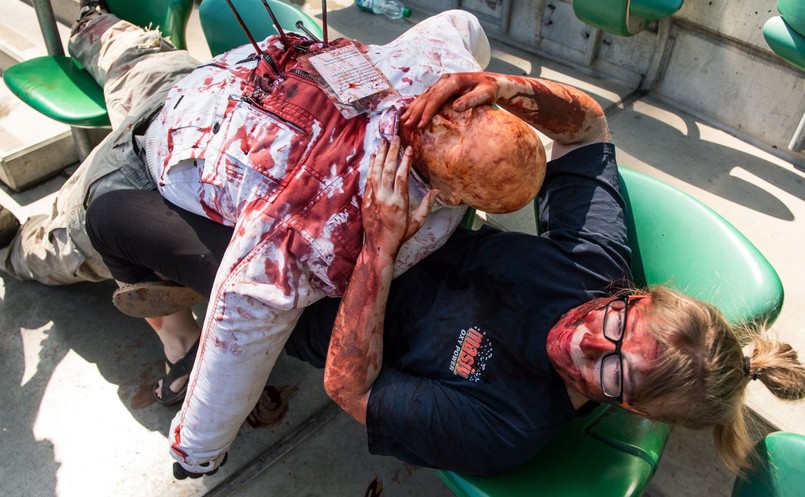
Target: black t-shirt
[466, 384]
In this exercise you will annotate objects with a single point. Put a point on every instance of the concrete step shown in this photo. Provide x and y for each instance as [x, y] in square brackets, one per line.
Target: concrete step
[20, 35]
[32, 146]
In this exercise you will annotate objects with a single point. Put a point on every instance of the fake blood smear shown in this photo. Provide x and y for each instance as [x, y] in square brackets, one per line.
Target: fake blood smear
[144, 396]
[272, 407]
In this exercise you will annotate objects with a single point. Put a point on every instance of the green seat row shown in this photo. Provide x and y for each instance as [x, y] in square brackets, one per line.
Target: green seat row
[57, 85]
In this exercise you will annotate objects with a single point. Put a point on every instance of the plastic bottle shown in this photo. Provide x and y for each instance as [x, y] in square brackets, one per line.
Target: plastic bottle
[393, 9]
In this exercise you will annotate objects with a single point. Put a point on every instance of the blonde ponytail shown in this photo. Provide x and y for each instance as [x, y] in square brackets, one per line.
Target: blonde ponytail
[776, 365]
[700, 377]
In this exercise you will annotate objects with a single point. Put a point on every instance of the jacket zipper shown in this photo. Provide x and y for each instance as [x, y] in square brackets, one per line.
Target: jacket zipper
[250, 101]
[303, 74]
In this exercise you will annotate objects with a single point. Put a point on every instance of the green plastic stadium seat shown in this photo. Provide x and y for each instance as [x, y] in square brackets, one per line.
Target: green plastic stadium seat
[793, 11]
[779, 472]
[654, 9]
[677, 241]
[610, 452]
[785, 34]
[170, 16]
[623, 17]
[222, 31]
[785, 42]
[58, 87]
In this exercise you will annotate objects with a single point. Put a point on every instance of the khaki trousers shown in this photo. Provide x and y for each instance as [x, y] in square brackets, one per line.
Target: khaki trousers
[136, 68]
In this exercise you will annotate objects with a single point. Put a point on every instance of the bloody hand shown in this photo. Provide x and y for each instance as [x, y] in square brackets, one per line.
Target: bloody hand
[387, 220]
[469, 89]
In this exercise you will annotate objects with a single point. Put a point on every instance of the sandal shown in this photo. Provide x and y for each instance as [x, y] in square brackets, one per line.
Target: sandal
[176, 370]
[153, 299]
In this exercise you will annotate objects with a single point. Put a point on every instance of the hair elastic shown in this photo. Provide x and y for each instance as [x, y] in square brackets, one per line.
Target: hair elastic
[747, 369]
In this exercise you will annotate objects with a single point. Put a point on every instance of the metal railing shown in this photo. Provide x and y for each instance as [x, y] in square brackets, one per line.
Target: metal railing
[47, 24]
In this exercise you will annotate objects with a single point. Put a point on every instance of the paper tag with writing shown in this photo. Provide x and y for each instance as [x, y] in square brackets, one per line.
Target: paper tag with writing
[349, 79]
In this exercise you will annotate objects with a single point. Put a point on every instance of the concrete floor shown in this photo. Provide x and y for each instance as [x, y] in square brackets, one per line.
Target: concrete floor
[77, 418]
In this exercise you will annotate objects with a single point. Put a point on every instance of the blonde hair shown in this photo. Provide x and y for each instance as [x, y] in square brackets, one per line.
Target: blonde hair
[700, 376]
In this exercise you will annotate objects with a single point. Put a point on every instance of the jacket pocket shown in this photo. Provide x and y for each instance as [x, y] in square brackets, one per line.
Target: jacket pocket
[258, 139]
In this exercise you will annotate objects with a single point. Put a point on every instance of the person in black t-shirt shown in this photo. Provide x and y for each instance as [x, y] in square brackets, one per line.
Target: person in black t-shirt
[476, 357]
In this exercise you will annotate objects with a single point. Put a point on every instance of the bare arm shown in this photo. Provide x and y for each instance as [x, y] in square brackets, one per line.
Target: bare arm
[355, 356]
[568, 116]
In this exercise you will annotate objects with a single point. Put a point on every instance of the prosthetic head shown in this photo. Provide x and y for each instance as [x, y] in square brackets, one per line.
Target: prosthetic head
[483, 157]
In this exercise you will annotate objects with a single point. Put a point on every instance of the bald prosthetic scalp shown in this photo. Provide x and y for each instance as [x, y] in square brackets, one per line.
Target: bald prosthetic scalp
[483, 157]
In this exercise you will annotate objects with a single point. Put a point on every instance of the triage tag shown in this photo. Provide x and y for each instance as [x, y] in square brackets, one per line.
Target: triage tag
[352, 82]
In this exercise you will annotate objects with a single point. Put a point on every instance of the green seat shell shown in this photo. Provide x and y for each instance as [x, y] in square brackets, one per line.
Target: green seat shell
[223, 32]
[169, 16]
[612, 16]
[654, 10]
[611, 452]
[793, 11]
[785, 34]
[779, 469]
[623, 17]
[58, 87]
[679, 242]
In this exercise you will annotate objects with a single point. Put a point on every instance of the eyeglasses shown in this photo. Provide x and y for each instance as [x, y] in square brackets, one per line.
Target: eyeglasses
[612, 364]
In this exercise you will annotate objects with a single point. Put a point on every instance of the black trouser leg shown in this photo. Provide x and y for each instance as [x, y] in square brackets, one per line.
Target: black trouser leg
[139, 233]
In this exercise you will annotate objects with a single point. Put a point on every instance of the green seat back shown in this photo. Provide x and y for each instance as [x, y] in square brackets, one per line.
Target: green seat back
[222, 31]
[785, 42]
[677, 241]
[611, 452]
[793, 11]
[785, 34]
[779, 471]
[654, 9]
[59, 88]
[170, 16]
[612, 16]
[680, 242]
[623, 17]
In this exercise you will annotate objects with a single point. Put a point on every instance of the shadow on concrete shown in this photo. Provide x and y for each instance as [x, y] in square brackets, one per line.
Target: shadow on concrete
[702, 163]
[35, 192]
[59, 320]
[43, 328]
[20, 397]
[503, 67]
[375, 29]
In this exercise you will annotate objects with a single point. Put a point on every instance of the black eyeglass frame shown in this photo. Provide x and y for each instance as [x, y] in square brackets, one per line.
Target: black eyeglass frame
[617, 342]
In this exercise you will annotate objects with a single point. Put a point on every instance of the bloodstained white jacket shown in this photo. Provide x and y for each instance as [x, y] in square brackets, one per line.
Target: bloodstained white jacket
[287, 170]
